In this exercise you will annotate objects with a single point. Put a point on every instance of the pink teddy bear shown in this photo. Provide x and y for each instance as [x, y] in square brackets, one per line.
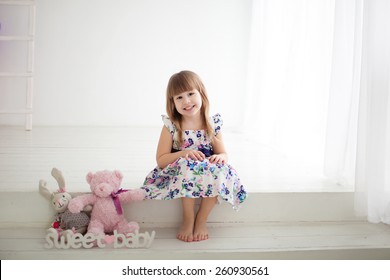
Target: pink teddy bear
[106, 197]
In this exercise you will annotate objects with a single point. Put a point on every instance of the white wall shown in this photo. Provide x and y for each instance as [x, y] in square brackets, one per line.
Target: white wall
[101, 62]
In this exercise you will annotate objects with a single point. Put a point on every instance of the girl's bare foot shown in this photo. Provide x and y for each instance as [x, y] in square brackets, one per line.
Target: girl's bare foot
[186, 231]
[187, 227]
[200, 231]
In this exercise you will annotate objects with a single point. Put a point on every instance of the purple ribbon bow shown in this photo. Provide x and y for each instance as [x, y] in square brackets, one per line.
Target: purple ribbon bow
[116, 200]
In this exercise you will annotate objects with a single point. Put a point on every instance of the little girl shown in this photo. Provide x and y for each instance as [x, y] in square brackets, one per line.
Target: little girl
[191, 158]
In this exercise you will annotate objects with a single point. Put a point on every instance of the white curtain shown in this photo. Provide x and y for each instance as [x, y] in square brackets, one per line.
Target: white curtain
[318, 87]
[288, 86]
[341, 128]
[296, 50]
[357, 149]
[373, 145]
[289, 68]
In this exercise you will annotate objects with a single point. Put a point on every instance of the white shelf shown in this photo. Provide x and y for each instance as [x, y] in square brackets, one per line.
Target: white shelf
[29, 74]
[16, 38]
[14, 74]
[17, 112]
[17, 2]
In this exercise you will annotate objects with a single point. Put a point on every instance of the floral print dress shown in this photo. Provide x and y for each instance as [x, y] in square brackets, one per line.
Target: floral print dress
[194, 178]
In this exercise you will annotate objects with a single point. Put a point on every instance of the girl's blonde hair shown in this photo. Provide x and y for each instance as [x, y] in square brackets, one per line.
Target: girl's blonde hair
[179, 83]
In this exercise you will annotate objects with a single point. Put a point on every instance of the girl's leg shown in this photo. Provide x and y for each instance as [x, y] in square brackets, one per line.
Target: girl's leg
[200, 229]
[187, 227]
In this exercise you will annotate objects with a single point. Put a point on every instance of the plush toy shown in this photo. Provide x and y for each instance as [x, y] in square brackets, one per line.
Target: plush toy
[65, 222]
[106, 198]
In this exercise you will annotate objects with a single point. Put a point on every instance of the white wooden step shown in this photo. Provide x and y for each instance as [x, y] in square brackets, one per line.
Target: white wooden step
[32, 209]
[310, 240]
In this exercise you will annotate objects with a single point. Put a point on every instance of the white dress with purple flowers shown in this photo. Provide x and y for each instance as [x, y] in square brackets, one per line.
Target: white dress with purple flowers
[194, 178]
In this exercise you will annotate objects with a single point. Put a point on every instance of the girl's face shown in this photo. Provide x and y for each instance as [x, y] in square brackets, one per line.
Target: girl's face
[188, 103]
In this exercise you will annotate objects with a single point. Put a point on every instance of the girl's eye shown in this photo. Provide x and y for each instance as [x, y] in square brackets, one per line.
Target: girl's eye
[178, 98]
[191, 93]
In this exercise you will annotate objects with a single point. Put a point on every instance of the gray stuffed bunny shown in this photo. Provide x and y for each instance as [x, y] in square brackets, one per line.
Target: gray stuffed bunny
[65, 222]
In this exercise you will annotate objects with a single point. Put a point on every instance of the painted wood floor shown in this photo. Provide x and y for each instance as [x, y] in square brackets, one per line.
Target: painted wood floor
[332, 240]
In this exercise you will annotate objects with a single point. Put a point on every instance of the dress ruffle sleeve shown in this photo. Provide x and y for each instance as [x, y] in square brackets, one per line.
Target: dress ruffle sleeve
[168, 124]
[217, 123]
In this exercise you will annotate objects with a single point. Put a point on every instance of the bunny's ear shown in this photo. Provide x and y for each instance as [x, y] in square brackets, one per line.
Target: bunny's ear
[43, 190]
[118, 174]
[89, 177]
[57, 174]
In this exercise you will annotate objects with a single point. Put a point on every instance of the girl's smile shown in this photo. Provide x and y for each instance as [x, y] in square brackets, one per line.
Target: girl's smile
[188, 103]
[189, 108]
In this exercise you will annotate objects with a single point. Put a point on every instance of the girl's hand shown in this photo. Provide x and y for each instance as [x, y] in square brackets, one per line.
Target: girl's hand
[195, 155]
[218, 159]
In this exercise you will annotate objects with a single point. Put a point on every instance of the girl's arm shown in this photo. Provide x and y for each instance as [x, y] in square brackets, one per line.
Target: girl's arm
[220, 156]
[164, 156]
